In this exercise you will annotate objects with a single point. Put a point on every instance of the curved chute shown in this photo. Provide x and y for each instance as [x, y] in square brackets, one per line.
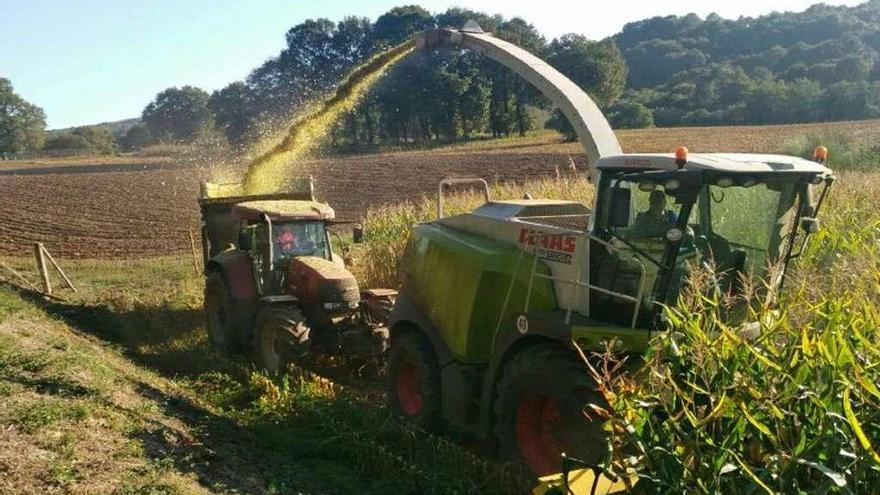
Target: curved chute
[589, 123]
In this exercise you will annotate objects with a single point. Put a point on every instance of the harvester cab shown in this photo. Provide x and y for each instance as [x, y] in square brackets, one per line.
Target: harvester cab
[499, 305]
[740, 217]
[274, 283]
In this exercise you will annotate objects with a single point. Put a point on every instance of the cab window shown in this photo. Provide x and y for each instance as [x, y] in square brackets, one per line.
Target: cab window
[299, 239]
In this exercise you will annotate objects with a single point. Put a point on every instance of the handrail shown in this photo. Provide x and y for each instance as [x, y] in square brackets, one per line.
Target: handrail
[637, 299]
[462, 180]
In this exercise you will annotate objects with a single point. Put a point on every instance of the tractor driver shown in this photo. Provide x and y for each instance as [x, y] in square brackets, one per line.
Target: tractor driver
[657, 219]
[284, 242]
[294, 240]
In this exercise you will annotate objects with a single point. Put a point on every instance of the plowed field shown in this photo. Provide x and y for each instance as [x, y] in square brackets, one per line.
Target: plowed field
[131, 210]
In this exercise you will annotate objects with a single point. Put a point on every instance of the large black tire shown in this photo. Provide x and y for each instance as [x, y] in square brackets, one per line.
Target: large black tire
[414, 380]
[281, 336]
[539, 410]
[220, 313]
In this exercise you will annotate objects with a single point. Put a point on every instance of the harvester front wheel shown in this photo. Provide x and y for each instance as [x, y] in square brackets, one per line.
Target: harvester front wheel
[414, 380]
[542, 410]
[280, 336]
[219, 312]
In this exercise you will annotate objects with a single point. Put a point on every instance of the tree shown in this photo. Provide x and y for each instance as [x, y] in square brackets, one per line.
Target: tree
[400, 23]
[597, 67]
[524, 35]
[136, 137]
[91, 140]
[849, 101]
[232, 108]
[318, 55]
[630, 115]
[179, 115]
[654, 62]
[22, 124]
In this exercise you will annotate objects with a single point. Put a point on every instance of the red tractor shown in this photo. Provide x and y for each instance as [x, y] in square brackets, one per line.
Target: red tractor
[274, 284]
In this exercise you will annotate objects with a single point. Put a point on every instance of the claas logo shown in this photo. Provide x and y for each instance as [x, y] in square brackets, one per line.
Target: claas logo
[554, 242]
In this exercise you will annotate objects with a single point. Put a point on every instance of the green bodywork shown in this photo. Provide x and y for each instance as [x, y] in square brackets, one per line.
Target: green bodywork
[462, 281]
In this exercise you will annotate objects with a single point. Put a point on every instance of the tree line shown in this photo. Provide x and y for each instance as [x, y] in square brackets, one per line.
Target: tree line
[816, 65]
[431, 96]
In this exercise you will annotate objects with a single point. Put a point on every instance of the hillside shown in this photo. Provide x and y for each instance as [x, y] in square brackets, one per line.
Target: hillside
[117, 128]
[819, 64]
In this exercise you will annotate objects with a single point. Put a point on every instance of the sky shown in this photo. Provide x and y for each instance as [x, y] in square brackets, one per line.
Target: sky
[91, 61]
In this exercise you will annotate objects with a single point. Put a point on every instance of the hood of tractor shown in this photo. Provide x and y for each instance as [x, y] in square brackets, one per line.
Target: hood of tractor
[322, 285]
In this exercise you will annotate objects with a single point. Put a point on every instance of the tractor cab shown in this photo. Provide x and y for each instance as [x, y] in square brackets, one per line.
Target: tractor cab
[274, 232]
[740, 217]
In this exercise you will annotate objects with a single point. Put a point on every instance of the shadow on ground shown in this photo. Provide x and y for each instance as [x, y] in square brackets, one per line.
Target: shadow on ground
[246, 436]
[224, 456]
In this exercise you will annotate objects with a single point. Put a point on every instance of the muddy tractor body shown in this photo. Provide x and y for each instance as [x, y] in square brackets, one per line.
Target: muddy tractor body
[499, 305]
[274, 284]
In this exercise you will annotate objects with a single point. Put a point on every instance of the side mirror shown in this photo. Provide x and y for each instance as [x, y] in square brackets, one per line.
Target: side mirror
[619, 204]
[357, 234]
[244, 241]
[810, 225]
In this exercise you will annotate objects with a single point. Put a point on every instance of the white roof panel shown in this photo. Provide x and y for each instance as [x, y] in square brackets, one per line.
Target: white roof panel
[722, 162]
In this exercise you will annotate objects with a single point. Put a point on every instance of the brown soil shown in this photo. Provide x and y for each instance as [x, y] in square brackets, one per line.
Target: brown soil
[129, 209]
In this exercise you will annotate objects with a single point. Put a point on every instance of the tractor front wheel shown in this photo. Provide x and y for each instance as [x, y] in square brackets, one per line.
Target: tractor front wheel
[541, 410]
[280, 336]
[219, 313]
[414, 380]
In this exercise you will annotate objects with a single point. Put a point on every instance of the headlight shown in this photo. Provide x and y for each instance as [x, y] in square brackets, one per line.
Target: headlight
[724, 182]
[674, 234]
[671, 184]
[340, 305]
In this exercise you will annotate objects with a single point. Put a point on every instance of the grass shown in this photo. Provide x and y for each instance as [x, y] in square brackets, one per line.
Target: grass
[846, 153]
[296, 433]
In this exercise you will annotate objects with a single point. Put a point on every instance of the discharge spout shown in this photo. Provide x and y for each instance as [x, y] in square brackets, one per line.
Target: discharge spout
[590, 125]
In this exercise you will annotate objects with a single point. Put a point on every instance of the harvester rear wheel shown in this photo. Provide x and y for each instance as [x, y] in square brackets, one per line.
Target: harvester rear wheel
[220, 313]
[280, 337]
[414, 380]
[541, 410]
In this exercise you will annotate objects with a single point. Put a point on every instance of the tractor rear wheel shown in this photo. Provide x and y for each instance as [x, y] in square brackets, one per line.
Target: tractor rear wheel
[541, 410]
[280, 337]
[220, 313]
[414, 380]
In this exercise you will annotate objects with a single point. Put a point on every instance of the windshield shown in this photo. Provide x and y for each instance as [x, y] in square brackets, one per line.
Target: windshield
[299, 239]
[636, 260]
[743, 231]
[668, 228]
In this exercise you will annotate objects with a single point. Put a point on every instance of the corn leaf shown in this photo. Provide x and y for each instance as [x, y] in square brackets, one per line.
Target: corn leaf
[857, 427]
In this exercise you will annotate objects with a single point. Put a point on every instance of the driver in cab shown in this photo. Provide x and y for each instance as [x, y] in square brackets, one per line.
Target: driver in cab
[657, 219]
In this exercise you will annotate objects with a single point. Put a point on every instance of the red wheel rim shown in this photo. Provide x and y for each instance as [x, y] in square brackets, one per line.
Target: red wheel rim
[537, 418]
[409, 391]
